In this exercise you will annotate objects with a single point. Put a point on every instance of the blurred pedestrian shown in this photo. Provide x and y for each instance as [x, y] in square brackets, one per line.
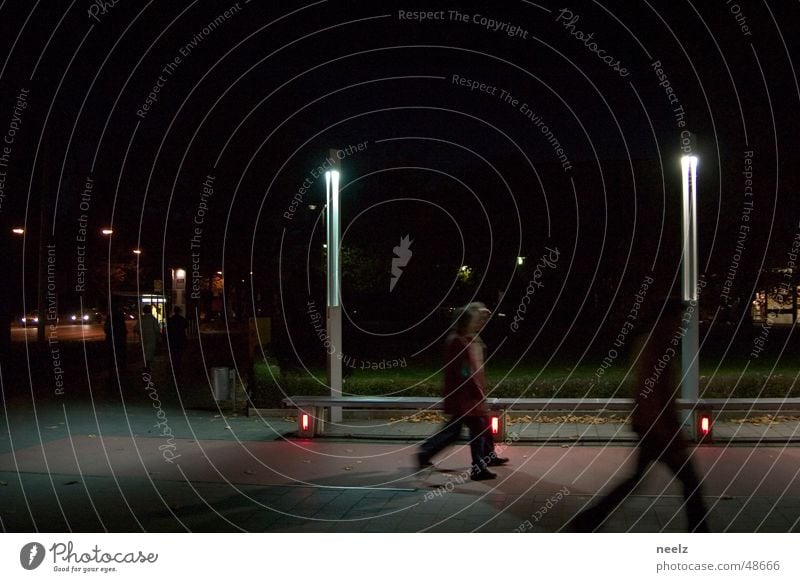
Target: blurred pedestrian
[464, 395]
[655, 420]
[116, 341]
[149, 332]
[176, 337]
[478, 358]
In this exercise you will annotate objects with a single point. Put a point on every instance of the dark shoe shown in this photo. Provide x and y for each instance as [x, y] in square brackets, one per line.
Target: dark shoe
[423, 461]
[498, 461]
[583, 523]
[484, 475]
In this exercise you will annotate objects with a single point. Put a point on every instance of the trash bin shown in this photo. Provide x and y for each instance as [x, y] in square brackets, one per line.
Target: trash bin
[222, 379]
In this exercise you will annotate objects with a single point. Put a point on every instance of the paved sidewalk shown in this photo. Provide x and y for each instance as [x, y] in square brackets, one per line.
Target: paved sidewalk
[75, 467]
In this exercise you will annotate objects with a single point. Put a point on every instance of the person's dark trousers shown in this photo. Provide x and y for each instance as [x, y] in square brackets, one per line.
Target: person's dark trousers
[479, 430]
[449, 433]
[677, 459]
[117, 361]
[121, 355]
[444, 437]
[488, 452]
[177, 359]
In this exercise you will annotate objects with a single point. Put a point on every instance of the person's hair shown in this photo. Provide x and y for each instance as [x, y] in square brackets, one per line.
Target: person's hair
[468, 314]
[177, 309]
[147, 309]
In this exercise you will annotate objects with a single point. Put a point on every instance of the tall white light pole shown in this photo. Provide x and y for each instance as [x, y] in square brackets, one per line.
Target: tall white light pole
[690, 364]
[334, 307]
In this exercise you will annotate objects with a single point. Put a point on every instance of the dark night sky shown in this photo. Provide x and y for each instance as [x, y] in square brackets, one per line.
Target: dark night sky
[259, 100]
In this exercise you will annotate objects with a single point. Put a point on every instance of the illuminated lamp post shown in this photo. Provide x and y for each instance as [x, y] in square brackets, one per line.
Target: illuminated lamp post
[333, 301]
[690, 364]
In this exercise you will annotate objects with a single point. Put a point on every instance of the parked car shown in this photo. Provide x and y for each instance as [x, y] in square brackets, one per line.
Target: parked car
[85, 317]
[29, 319]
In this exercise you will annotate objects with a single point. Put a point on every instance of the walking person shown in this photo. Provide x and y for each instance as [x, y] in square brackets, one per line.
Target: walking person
[655, 420]
[116, 342]
[464, 396]
[176, 337]
[149, 332]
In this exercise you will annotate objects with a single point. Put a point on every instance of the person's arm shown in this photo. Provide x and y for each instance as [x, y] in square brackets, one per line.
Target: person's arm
[477, 363]
[461, 371]
[452, 365]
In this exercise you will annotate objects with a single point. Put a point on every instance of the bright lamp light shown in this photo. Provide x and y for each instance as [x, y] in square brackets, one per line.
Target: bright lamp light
[689, 175]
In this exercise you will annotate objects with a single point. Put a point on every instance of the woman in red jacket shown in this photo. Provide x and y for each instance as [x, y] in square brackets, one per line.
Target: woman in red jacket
[464, 397]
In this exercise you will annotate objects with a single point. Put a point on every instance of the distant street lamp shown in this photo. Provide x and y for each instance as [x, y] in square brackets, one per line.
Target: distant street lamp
[137, 252]
[690, 365]
[107, 231]
[18, 230]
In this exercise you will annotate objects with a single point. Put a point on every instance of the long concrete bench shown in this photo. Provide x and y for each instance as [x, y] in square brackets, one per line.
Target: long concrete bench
[311, 410]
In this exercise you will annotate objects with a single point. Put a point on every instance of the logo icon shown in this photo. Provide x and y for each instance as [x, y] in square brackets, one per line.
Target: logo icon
[402, 256]
[31, 555]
